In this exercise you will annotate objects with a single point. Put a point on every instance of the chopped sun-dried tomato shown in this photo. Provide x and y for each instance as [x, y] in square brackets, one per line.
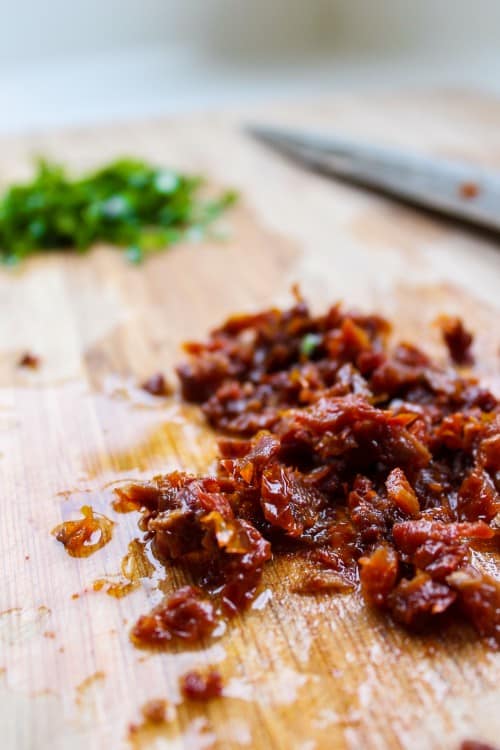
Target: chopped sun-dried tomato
[83, 537]
[457, 339]
[156, 385]
[369, 461]
[186, 615]
[201, 687]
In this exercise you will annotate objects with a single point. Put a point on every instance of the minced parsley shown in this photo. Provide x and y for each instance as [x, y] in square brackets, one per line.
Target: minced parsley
[309, 344]
[129, 203]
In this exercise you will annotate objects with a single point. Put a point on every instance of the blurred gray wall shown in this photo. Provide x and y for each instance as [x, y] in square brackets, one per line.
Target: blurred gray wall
[426, 25]
[52, 29]
[241, 29]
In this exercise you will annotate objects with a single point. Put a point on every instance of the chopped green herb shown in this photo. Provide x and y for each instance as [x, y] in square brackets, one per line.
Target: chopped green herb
[134, 254]
[127, 203]
[309, 344]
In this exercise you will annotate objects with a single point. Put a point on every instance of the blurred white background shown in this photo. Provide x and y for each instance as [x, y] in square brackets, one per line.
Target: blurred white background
[65, 62]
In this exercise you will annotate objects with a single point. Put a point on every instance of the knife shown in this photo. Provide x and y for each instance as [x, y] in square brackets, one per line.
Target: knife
[454, 188]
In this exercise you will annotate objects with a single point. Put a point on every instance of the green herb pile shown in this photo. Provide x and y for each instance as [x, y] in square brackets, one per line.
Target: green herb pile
[127, 203]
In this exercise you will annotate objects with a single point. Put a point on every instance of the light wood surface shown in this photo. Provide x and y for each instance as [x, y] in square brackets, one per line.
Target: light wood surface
[301, 673]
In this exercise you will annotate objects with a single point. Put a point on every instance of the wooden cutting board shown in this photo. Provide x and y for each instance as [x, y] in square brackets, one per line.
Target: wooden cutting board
[300, 673]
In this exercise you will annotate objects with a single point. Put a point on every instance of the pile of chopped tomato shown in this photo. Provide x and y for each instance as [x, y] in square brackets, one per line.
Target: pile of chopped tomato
[371, 463]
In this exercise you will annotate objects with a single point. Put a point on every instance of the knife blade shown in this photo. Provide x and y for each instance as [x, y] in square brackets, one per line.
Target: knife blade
[459, 189]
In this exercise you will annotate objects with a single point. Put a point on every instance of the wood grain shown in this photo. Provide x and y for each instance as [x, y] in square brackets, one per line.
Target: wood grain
[301, 673]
